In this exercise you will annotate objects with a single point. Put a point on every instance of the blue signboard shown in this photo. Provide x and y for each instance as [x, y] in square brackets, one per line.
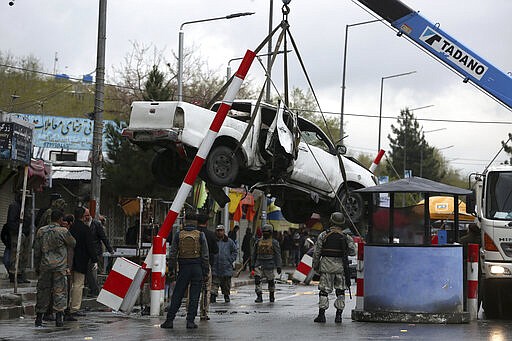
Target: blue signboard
[60, 132]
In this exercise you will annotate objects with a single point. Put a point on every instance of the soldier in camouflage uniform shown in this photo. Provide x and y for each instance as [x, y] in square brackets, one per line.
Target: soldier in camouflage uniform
[265, 258]
[330, 249]
[51, 264]
[58, 204]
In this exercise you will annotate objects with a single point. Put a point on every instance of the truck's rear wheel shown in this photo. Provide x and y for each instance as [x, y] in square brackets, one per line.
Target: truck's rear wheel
[168, 168]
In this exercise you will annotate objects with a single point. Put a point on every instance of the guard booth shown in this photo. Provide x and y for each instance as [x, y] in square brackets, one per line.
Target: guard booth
[403, 278]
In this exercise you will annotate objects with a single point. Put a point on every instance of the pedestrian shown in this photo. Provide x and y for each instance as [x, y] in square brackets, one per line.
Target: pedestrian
[188, 253]
[247, 243]
[132, 233]
[6, 258]
[296, 245]
[98, 239]
[286, 247]
[213, 249]
[13, 224]
[57, 204]
[331, 249]
[234, 233]
[51, 246]
[473, 236]
[84, 253]
[266, 257]
[222, 269]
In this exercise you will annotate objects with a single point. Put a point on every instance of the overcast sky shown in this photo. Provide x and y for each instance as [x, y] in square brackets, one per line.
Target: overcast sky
[69, 28]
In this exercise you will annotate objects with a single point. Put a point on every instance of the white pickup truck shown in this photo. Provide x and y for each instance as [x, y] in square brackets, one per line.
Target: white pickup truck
[284, 155]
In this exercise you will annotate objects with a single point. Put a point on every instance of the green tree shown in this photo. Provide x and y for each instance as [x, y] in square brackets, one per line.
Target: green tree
[410, 151]
[156, 88]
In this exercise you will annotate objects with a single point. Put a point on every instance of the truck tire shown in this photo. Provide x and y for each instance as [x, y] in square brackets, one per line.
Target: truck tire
[222, 167]
[296, 212]
[490, 300]
[353, 205]
[168, 168]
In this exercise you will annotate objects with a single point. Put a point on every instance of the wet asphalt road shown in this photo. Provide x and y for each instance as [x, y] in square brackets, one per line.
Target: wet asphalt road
[290, 317]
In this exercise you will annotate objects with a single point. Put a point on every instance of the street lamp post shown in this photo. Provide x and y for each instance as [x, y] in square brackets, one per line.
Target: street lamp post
[180, 45]
[344, 70]
[381, 91]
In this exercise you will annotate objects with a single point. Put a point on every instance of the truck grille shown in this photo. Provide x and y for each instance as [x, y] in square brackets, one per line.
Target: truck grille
[507, 248]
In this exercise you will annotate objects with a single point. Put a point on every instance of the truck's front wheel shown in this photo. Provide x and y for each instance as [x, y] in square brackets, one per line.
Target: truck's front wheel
[222, 166]
[491, 299]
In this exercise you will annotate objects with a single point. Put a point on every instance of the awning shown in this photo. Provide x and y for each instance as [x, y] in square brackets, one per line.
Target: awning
[71, 173]
[415, 184]
[441, 208]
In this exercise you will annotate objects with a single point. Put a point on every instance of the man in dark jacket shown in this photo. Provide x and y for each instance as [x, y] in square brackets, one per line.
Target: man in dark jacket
[98, 237]
[247, 243]
[222, 269]
[213, 250]
[84, 252]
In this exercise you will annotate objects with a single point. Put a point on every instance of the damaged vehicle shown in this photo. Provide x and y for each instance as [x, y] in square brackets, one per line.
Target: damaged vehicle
[269, 148]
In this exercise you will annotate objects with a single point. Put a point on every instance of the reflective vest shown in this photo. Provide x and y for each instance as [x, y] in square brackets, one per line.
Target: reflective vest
[189, 244]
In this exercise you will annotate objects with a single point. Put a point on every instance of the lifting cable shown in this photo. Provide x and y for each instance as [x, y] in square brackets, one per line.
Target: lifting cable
[284, 26]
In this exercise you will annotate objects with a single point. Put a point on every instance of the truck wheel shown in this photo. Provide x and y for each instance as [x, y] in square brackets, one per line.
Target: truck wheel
[168, 168]
[353, 204]
[296, 212]
[490, 300]
[222, 167]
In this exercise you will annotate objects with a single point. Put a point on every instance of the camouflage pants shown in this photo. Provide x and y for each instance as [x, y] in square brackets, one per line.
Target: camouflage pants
[259, 273]
[23, 261]
[224, 282]
[204, 304]
[328, 282]
[52, 284]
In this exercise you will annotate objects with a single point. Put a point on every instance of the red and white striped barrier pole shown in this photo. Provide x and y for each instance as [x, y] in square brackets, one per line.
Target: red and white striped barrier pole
[360, 277]
[376, 162]
[157, 276]
[472, 276]
[203, 151]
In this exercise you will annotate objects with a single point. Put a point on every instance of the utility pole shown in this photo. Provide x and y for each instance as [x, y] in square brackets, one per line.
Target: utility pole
[97, 137]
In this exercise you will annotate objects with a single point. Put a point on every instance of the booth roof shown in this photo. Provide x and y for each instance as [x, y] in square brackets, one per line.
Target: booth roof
[415, 184]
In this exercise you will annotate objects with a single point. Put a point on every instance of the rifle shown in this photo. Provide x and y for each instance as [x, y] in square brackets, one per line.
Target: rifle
[237, 273]
[346, 267]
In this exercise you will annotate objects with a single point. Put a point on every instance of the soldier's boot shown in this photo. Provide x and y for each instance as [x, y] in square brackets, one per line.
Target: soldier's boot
[259, 299]
[191, 325]
[59, 316]
[272, 297]
[338, 315]
[321, 316]
[168, 324]
[227, 299]
[213, 298]
[39, 319]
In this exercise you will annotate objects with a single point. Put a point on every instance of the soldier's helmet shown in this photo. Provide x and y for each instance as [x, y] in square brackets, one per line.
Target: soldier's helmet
[266, 228]
[337, 219]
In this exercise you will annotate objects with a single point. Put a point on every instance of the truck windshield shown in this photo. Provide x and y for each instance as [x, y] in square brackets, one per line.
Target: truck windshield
[499, 196]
